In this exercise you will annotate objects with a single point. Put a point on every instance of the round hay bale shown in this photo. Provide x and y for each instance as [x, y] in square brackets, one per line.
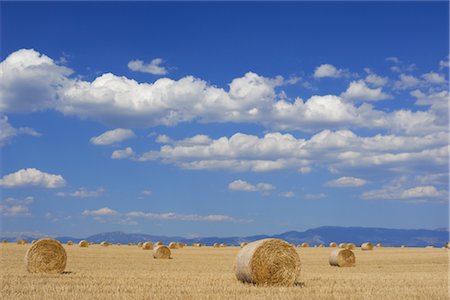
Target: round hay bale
[367, 246]
[342, 258]
[159, 244]
[271, 262]
[244, 244]
[429, 247]
[140, 244]
[91, 243]
[223, 245]
[321, 246]
[380, 245]
[147, 246]
[305, 245]
[161, 252]
[333, 245]
[83, 244]
[69, 243]
[130, 244]
[216, 245]
[46, 256]
[4, 242]
[173, 245]
[448, 245]
[22, 242]
[402, 246]
[104, 244]
[342, 245]
[351, 246]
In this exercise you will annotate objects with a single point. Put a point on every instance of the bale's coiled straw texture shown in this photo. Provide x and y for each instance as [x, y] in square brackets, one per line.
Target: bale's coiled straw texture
[147, 246]
[333, 245]
[367, 246]
[342, 258]
[83, 243]
[46, 256]
[271, 262]
[161, 251]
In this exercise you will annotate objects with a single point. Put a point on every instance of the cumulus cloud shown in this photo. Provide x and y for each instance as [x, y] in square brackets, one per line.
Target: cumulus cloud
[358, 90]
[8, 132]
[376, 80]
[397, 190]
[32, 177]
[241, 185]
[314, 196]
[113, 136]
[12, 207]
[105, 211]
[444, 63]
[82, 193]
[288, 194]
[122, 154]
[328, 70]
[347, 182]
[154, 67]
[434, 78]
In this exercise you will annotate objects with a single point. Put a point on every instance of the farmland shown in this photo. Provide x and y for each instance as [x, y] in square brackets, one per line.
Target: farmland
[128, 272]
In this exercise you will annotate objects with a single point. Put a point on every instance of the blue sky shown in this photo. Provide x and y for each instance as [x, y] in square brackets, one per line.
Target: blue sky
[199, 119]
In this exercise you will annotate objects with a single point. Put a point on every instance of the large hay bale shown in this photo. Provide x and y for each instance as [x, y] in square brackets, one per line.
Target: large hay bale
[46, 256]
[243, 244]
[268, 262]
[173, 245]
[162, 252]
[69, 243]
[305, 245]
[351, 246]
[147, 246]
[333, 245]
[367, 246]
[342, 258]
[380, 245]
[83, 243]
[342, 245]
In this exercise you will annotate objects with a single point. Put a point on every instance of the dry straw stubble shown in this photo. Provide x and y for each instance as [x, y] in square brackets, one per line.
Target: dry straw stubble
[46, 256]
[271, 262]
[342, 258]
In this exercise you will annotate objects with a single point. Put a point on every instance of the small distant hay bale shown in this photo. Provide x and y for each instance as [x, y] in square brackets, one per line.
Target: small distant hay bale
[332, 245]
[243, 244]
[448, 245]
[173, 245]
[380, 245]
[22, 242]
[351, 246]
[130, 244]
[402, 246]
[91, 243]
[223, 245]
[159, 244]
[147, 246]
[4, 242]
[321, 246]
[83, 243]
[342, 245]
[270, 262]
[161, 252]
[104, 244]
[342, 258]
[216, 245]
[69, 243]
[180, 245]
[46, 256]
[367, 246]
[140, 244]
[429, 247]
[305, 245]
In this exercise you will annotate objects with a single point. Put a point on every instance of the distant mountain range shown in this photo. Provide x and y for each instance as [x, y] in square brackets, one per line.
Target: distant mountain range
[315, 236]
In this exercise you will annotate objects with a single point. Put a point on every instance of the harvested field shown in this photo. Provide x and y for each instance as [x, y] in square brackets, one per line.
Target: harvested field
[207, 273]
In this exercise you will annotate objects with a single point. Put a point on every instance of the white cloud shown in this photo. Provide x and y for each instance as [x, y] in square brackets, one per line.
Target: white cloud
[8, 132]
[122, 154]
[82, 193]
[347, 182]
[182, 217]
[304, 170]
[289, 194]
[154, 67]
[11, 207]
[241, 185]
[376, 80]
[358, 90]
[147, 193]
[123, 102]
[105, 211]
[328, 70]
[444, 63]
[113, 136]
[433, 78]
[32, 177]
[406, 81]
[396, 190]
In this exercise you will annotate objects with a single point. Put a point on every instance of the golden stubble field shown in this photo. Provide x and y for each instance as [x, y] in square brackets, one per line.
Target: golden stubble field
[128, 272]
